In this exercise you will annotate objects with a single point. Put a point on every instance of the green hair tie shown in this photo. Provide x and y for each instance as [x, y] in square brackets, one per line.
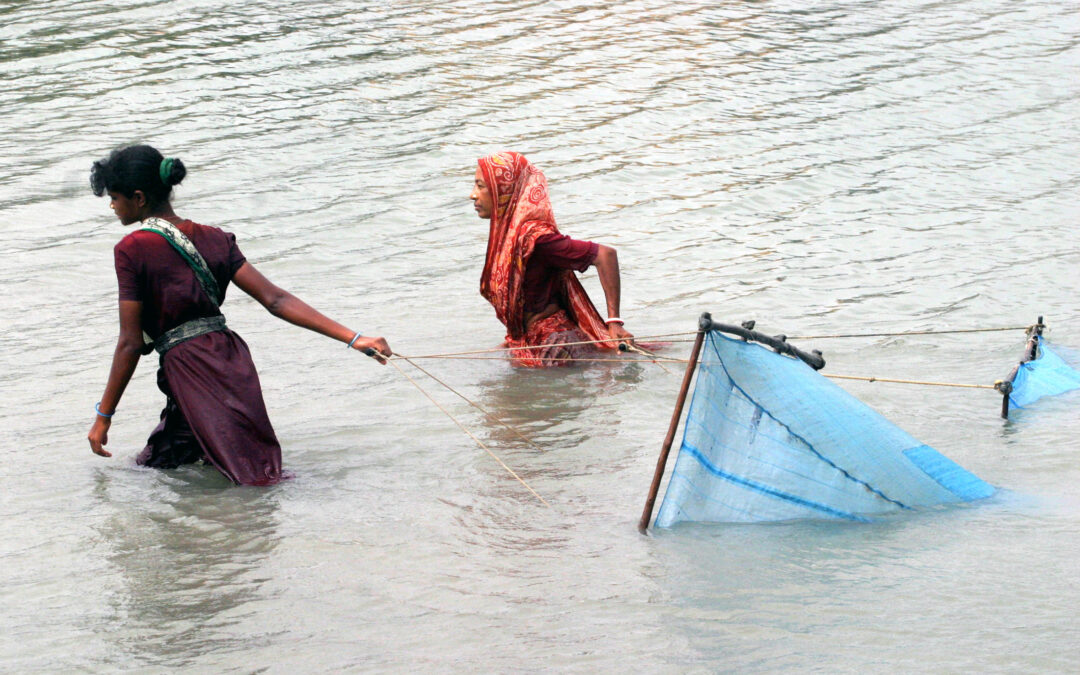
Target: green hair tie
[165, 170]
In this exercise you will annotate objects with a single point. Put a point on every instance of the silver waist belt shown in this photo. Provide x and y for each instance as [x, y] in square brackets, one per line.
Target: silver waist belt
[188, 330]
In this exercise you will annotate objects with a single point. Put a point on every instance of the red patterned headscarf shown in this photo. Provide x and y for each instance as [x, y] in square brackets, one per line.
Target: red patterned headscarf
[521, 214]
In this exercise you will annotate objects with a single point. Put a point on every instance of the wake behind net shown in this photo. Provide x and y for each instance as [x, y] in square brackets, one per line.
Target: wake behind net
[767, 438]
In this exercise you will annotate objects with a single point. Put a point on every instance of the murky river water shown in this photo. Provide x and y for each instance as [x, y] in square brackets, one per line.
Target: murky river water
[822, 167]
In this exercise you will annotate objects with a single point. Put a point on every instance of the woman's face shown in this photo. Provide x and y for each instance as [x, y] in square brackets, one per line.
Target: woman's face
[481, 196]
[127, 209]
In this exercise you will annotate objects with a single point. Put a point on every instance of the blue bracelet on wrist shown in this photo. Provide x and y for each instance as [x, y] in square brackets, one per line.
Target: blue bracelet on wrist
[97, 409]
[353, 340]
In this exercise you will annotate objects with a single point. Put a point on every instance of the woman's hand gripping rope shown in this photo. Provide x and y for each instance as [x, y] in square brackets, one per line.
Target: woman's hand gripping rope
[376, 347]
[618, 333]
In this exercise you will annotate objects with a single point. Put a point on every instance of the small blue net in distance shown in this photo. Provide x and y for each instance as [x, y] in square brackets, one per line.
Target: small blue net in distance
[767, 438]
[1047, 375]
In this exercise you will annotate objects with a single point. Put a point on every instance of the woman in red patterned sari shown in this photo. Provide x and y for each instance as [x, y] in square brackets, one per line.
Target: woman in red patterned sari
[529, 271]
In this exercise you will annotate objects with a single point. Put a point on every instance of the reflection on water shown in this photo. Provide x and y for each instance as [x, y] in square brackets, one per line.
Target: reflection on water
[191, 553]
[544, 399]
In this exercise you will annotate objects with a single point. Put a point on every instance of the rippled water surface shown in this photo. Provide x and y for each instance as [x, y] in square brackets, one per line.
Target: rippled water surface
[822, 167]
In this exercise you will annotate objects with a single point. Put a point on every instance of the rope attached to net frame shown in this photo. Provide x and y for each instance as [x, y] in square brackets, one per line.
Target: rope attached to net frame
[659, 361]
[648, 357]
[507, 350]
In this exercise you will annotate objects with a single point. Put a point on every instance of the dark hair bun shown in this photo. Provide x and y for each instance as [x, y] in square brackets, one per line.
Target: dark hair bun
[137, 167]
[177, 171]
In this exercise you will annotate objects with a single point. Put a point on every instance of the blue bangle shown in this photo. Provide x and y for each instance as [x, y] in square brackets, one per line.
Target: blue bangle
[353, 340]
[97, 409]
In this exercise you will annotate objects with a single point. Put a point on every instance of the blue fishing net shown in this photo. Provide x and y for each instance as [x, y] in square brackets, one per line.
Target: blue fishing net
[768, 438]
[1047, 375]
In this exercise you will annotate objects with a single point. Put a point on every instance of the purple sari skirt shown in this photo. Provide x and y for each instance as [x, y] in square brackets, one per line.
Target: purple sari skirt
[214, 411]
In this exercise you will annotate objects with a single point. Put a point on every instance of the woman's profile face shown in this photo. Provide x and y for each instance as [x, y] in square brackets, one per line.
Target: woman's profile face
[481, 195]
[127, 209]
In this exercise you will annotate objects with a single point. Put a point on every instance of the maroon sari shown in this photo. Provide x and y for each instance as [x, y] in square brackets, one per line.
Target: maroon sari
[214, 408]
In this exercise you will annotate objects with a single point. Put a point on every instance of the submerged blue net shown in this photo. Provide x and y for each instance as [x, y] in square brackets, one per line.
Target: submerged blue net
[1047, 375]
[768, 438]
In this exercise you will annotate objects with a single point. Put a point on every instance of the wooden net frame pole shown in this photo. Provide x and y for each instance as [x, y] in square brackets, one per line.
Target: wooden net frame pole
[1031, 352]
[661, 462]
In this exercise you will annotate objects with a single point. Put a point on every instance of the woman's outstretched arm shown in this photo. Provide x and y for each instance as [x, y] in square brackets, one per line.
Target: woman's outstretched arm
[129, 348]
[287, 306]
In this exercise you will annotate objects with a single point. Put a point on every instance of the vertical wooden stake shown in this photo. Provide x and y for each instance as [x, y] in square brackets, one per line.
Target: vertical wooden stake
[1031, 352]
[661, 462]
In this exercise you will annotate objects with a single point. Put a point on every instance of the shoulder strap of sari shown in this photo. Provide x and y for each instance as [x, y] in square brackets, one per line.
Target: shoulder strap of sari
[179, 241]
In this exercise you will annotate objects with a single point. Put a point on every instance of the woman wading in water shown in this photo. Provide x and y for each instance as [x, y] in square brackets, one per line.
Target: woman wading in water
[529, 270]
[173, 275]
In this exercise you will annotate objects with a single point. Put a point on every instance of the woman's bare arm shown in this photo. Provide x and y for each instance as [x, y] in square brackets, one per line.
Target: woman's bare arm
[607, 268]
[126, 357]
[287, 306]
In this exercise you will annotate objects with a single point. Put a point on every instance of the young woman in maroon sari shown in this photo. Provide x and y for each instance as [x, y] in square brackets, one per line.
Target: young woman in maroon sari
[173, 274]
[529, 270]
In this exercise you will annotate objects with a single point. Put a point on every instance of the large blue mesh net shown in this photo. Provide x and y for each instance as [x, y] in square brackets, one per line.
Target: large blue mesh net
[1047, 375]
[767, 438]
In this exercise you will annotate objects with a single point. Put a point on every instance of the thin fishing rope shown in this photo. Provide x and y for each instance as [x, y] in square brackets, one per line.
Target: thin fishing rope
[470, 402]
[684, 361]
[899, 381]
[903, 333]
[471, 435]
[558, 359]
[496, 350]
[871, 378]
[900, 334]
[645, 352]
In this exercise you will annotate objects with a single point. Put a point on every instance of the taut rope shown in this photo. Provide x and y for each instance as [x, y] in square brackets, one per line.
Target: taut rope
[505, 350]
[471, 435]
[897, 381]
[470, 402]
[903, 333]
[658, 361]
[631, 347]
[560, 359]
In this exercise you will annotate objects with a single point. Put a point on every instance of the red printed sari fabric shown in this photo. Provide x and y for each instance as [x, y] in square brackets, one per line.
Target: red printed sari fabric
[521, 215]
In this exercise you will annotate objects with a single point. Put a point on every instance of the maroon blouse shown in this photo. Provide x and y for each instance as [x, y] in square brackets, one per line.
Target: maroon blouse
[553, 252]
[149, 270]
